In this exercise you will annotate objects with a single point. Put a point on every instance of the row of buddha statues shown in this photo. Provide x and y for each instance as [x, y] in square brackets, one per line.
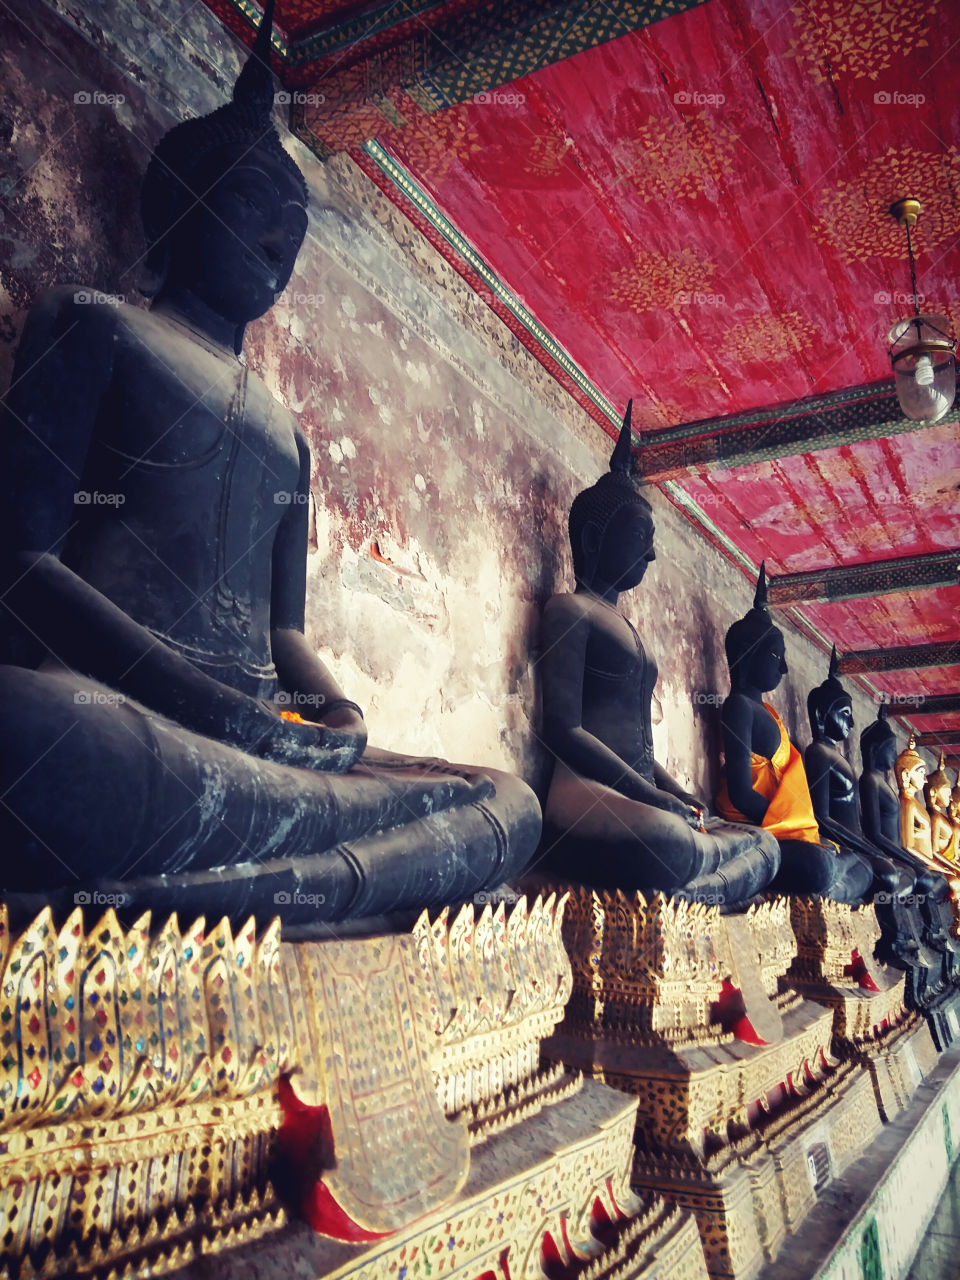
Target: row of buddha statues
[145, 639]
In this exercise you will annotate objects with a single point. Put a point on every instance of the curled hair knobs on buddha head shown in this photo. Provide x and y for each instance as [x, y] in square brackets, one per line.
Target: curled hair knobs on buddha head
[617, 488]
[183, 165]
[747, 632]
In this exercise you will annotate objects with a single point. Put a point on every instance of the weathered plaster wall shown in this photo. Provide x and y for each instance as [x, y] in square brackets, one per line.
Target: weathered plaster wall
[445, 459]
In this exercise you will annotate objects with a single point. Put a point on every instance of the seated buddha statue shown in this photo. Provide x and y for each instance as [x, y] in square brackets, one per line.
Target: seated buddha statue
[614, 818]
[954, 805]
[764, 780]
[880, 816]
[916, 827]
[154, 539]
[833, 791]
[943, 830]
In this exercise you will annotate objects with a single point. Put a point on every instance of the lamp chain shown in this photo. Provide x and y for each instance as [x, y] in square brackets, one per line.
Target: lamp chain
[913, 275]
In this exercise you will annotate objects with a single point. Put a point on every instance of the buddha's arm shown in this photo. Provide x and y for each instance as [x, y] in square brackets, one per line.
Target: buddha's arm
[818, 780]
[565, 635]
[299, 669]
[669, 784]
[736, 720]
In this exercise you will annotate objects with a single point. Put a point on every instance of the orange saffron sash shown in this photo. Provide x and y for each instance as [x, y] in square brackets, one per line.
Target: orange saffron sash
[782, 781]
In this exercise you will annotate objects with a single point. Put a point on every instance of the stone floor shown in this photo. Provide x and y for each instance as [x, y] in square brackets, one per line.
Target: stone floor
[938, 1257]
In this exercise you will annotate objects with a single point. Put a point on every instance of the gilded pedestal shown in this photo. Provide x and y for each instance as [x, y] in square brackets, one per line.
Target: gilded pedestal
[835, 966]
[744, 1113]
[156, 1087]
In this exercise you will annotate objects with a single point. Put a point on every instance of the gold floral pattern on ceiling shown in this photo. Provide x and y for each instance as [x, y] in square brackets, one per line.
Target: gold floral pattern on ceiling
[547, 154]
[657, 282]
[861, 39]
[431, 148]
[676, 159]
[767, 338]
[853, 216]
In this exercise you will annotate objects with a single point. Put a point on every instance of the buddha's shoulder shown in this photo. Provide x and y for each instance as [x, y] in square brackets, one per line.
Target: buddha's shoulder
[568, 608]
[80, 309]
[736, 705]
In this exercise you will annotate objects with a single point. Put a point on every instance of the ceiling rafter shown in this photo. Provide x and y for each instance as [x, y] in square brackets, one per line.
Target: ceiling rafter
[877, 577]
[912, 657]
[844, 417]
[935, 704]
[949, 739]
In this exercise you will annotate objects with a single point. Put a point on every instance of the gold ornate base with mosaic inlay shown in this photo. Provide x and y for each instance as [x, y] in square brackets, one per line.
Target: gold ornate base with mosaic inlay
[157, 1084]
[744, 1114]
[835, 966]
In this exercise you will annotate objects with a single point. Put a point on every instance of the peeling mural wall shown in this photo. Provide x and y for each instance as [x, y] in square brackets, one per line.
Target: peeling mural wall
[444, 458]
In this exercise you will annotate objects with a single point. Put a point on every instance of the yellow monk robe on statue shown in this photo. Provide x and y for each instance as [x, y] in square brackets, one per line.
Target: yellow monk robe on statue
[783, 781]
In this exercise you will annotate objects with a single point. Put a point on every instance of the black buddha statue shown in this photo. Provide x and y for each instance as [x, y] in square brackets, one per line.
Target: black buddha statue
[613, 817]
[764, 778]
[154, 519]
[880, 816]
[833, 791]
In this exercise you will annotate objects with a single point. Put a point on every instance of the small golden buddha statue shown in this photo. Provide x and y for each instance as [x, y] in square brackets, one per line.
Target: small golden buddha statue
[944, 828]
[914, 820]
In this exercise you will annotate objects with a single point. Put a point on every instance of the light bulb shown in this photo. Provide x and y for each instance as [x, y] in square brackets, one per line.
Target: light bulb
[923, 373]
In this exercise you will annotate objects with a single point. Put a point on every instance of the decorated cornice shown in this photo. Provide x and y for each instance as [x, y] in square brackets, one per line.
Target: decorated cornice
[878, 577]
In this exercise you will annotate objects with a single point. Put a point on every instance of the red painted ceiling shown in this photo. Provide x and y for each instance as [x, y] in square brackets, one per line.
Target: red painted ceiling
[698, 212]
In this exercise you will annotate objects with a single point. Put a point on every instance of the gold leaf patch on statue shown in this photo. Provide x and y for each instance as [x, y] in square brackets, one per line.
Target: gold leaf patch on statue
[372, 1113]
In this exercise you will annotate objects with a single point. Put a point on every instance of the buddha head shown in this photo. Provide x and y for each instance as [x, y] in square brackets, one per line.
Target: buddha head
[830, 707]
[910, 769]
[611, 524]
[755, 647]
[878, 744]
[937, 790]
[223, 205]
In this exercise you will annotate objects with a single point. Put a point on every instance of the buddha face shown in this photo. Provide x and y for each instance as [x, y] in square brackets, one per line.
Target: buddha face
[838, 722]
[625, 546]
[236, 248]
[767, 662]
[885, 754]
[913, 778]
[940, 794]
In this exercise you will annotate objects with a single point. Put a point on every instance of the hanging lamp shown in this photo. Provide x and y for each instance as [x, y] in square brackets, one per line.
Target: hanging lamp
[922, 352]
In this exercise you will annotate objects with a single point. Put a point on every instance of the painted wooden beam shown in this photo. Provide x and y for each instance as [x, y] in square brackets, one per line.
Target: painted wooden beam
[949, 739]
[874, 578]
[907, 658]
[934, 704]
[801, 426]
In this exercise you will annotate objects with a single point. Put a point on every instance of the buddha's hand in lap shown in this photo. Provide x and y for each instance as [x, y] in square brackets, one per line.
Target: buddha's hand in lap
[307, 745]
[690, 813]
